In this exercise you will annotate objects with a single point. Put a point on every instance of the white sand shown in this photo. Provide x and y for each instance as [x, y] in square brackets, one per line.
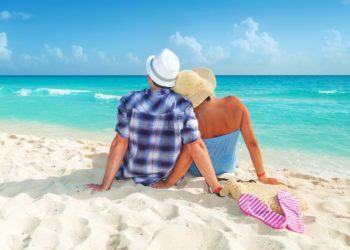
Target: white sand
[43, 206]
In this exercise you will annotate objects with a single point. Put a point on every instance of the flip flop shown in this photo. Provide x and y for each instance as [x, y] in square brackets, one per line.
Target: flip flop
[291, 210]
[254, 207]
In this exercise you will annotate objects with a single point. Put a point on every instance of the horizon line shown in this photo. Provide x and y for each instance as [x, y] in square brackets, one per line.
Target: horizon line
[141, 75]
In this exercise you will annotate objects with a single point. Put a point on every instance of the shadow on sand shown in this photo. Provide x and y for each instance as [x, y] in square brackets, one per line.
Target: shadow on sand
[72, 185]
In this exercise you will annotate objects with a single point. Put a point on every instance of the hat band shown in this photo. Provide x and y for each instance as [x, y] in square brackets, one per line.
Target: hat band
[159, 76]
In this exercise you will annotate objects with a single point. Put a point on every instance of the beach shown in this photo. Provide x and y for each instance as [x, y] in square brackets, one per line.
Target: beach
[55, 134]
[44, 206]
[270, 92]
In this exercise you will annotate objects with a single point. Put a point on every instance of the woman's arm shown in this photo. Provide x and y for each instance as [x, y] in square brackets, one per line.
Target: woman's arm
[253, 147]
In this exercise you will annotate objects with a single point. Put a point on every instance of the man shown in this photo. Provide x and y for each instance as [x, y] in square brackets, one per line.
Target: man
[154, 125]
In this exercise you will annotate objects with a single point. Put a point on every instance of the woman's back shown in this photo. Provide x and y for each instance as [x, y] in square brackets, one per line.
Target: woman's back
[219, 116]
[219, 123]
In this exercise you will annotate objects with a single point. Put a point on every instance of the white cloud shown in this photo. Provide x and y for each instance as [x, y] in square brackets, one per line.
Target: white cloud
[133, 58]
[5, 53]
[26, 57]
[335, 47]
[7, 15]
[191, 43]
[252, 41]
[213, 53]
[217, 53]
[55, 52]
[23, 16]
[104, 58]
[79, 54]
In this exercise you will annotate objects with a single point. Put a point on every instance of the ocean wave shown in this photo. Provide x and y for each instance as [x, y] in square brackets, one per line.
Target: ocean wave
[106, 97]
[62, 91]
[328, 92]
[24, 92]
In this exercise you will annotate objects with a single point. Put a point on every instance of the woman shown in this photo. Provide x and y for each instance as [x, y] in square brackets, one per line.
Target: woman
[220, 123]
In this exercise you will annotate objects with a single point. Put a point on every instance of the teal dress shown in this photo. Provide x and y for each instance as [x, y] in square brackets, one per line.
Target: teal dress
[222, 152]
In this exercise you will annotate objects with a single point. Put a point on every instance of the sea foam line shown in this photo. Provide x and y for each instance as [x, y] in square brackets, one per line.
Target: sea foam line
[62, 91]
[101, 96]
[328, 92]
[24, 92]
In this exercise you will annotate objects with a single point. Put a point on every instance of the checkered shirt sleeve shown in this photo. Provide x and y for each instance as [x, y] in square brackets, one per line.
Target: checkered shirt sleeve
[190, 132]
[122, 127]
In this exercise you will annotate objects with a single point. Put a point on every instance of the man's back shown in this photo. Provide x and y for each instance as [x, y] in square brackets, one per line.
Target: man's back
[157, 123]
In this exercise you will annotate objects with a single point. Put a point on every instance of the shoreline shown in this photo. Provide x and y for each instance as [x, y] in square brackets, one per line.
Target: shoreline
[43, 205]
[54, 131]
[326, 166]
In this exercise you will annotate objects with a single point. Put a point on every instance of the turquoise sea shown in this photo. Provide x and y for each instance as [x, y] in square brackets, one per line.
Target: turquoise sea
[306, 114]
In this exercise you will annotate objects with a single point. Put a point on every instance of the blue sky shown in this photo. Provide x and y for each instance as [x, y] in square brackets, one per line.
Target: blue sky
[230, 37]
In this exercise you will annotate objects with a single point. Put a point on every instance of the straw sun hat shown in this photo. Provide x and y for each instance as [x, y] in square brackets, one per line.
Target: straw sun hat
[197, 84]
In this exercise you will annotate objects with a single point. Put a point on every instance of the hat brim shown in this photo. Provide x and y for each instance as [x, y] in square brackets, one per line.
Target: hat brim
[199, 97]
[157, 80]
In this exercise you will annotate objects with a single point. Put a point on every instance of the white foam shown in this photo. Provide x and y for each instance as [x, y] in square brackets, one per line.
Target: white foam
[62, 91]
[328, 92]
[106, 97]
[24, 92]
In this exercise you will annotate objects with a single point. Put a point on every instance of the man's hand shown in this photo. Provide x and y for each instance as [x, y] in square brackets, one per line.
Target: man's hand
[162, 184]
[95, 188]
[269, 180]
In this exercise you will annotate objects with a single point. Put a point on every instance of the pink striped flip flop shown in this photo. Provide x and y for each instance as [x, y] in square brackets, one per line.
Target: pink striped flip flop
[254, 207]
[291, 209]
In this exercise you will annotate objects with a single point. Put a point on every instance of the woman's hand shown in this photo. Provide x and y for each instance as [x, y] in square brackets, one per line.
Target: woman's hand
[162, 184]
[95, 187]
[269, 180]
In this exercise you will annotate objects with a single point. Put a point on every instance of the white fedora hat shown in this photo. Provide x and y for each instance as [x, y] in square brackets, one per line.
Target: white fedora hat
[163, 68]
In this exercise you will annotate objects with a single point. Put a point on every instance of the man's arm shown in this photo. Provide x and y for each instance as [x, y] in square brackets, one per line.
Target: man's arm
[198, 152]
[181, 167]
[116, 155]
[200, 155]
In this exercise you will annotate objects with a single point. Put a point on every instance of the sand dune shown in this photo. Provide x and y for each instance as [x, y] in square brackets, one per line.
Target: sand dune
[43, 206]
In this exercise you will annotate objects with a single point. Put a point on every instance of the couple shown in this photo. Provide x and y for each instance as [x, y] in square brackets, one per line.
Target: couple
[163, 129]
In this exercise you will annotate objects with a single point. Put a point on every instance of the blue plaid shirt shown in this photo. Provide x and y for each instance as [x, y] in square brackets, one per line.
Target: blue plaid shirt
[157, 124]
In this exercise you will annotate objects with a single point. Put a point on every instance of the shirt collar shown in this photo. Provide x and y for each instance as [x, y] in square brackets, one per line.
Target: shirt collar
[157, 92]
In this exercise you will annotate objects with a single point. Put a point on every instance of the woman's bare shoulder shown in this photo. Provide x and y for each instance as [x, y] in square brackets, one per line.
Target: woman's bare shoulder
[234, 102]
